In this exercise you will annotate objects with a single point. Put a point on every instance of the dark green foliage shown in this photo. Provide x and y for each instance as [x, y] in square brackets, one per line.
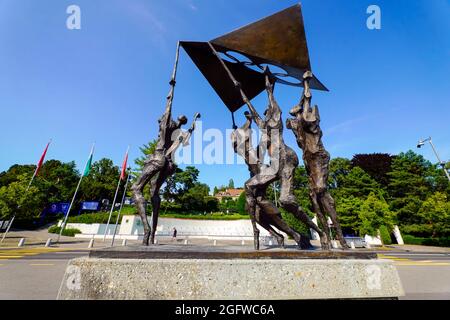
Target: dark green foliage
[67, 232]
[437, 242]
[101, 182]
[376, 165]
[294, 223]
[241, 204]
[146, 149]
[385, 235]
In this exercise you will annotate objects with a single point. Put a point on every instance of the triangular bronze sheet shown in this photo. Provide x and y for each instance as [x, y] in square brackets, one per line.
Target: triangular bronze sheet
[252, 82]
[279, 40]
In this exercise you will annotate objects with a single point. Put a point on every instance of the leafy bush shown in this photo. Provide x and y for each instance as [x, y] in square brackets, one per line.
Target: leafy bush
[214, 216]
[409, 239]
[417, 230]
[294, 223]
[68, 232]
[434, 242]
[385, 235]
[91, 218]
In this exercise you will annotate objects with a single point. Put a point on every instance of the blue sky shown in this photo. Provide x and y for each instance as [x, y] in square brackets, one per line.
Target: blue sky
[108, 81]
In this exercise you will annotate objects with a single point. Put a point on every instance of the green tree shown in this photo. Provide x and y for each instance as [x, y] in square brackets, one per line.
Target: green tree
[194, 198]
[348, 209]
[178, 184]
[356, 183]
[146, 149]
[231, 184]
[339, 168]
[376, 165]
[409, 186]
[15, 200]
[15, 172]
[435, 212]
[101, 182]
[241, 204]
[374, 213]
[57, 180]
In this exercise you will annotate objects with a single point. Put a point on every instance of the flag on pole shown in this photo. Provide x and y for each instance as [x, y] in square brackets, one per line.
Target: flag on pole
[124, 167]
[41, 161]
[87, 170]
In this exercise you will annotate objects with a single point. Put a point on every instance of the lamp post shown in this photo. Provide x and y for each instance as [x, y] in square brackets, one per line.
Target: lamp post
[441, 163]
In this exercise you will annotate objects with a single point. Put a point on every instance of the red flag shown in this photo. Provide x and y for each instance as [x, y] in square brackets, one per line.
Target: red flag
[124, 167]
[41, 161]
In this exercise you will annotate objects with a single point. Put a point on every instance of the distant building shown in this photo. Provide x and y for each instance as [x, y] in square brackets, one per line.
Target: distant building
[229, 193]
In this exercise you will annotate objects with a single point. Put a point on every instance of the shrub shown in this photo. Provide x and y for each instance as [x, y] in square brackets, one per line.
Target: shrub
[66, 232]
[409, 239]
[434, 242]
[385, 235]
[294, 223]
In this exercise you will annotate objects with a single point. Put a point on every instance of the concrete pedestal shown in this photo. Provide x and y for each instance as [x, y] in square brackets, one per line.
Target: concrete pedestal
[230, 278]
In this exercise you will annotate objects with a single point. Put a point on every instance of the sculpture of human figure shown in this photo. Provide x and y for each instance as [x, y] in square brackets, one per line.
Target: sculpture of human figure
[306, 128]
[160, 165]
[284, 161]
[242, 145]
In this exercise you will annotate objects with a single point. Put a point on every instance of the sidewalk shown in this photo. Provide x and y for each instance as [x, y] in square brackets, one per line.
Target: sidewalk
[38, 238]
[418, 249]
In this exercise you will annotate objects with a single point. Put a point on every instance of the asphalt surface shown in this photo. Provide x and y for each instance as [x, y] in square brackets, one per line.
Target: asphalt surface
[36, 273]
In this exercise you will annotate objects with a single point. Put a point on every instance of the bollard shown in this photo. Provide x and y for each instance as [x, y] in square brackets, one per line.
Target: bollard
[186, 242]
[91, 244]
[270, 243]
[243, 242]
[215, 243]
[334, 244]
[124, 243]
[21, 242]
[48, 243]
[352, 245]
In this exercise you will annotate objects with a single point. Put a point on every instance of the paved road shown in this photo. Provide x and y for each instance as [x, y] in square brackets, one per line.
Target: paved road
[36, 273]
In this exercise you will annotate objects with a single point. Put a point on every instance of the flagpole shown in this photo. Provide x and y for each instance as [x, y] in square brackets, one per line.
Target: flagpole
[26, 192]
[115, 198]
[63, 225]
[120, 210]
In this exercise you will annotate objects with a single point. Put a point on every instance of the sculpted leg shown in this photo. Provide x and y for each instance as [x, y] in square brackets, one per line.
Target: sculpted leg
[150, 170]
[156, 198]
[250, 204]
[321, 216]
[327, 202]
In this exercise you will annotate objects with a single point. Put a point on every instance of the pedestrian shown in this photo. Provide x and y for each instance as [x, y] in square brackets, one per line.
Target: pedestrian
[174, 234]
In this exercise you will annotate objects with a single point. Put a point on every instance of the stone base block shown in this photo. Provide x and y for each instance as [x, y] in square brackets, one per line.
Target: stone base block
[191, 279]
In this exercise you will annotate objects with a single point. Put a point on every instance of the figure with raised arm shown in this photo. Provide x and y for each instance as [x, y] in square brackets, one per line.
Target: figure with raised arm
[241, 139]
[160, 165]
[306, 128]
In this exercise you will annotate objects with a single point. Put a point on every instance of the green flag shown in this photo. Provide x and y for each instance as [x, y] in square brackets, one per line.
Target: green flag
[87, 170]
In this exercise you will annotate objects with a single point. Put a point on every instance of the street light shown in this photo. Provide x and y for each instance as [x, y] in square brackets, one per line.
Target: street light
[441, 163]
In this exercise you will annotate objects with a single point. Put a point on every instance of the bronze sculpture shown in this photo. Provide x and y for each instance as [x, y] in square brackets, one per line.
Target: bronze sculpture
[237, 82]
[242, 145]
[284, 161]
[306, 128]
[160, 165]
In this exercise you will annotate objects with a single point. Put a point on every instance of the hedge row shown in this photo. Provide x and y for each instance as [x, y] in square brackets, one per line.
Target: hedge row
[66, 232]
[102, 217]
[433, 242]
